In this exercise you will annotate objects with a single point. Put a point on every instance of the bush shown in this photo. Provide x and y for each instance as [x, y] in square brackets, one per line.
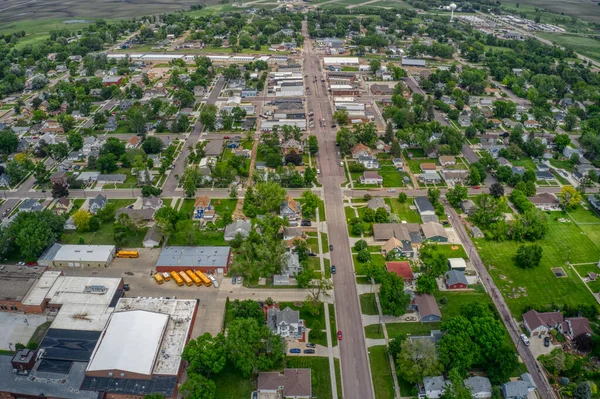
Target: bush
[356, 167]
[360, 245]
[363, 256]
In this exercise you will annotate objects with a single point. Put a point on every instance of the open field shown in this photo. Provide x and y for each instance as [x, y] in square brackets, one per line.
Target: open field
[584, 9]
[581, 44]
[539, 287]
[232, 385]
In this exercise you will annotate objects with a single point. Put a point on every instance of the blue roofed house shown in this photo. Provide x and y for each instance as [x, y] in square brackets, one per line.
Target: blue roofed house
[426, 210]
[594, 202]
[30, 205]
[97, 203]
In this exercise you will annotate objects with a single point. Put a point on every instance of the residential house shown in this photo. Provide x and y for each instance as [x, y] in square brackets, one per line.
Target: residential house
[435, 232]
[455, 279]
[397, 248]
[464, 120]
[518, 170]
[361, 150]
[518, 389]
[544, 175]
[433, 387]
[575, 326]
[203, 209]
[568, 151]
[240, 226]
[4, 180]
[480, 387]
[455, 176]
[369, 162]
[402, 269]
[467, 206]
[97, 203]
[428, 167]
[292, 233]
[545, 202]
[476, 232]
[153, 237]
[377, 202]
[371, 178]
[137, 214]
[293, 383]
[592, 199]
[30, 205]
[59, 177]
[538, 323]
[532, 124]
[152, 202]
[286, 323]
[427, 307]
[291, 209]
[111, 125]
[426, 210]
[429, 178]
[63, 205]
[133, 142]
[124, 105]
[446, 160]
[397, 163]
[291, 145]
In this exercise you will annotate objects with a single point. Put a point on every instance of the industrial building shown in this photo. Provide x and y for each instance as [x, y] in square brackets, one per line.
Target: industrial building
[340, 61]
[59, 255]
[205, 259]
[15, 284]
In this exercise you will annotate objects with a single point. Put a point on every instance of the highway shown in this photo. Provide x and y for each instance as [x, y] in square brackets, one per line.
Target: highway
[356, 375]
[533, 366]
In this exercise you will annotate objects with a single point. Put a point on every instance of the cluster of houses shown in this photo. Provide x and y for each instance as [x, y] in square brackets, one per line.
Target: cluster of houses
[281, 112]
[480, 387]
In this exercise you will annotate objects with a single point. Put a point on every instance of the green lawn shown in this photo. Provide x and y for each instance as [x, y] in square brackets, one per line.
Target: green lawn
[455, 300]
[381, 372]
[324, 243]
[232, 385]
[447, 250]
[539, 287]
[566, 165]
[525, 162]
[584, 45]
[403, 210]
[374, 331]
[338, 377]
[321, 381]
[391, 176]
[415, 164]
[333, 326]
[377, 260]
[413, 328]
[368, 304]
[198, 237]
[313, 244]
[321, 340]
[582, 215]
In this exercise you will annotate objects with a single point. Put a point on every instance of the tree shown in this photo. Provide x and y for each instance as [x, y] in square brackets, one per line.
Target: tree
[561, 141]
[30, 233]
[107, 214]
[381, 215]
[456, 349]
[426, 284]
[9, 142]
[317, 289]
[529, 256]
[304, 278]
[375, 66]
[310, 203]
[154, 396]
[75, 141]
[81, 219]
[58, 150]
[360, 245]
[199, 387]
[456, 195]
[313, 145]
[356, 226]
[569, 197]
[496, 190]
[268, 196]
[474, 177]
[59, 189]
[151, 191]
[113, 146]
[583, 391]
[152, 145]
[417, 359]
[504, 109]
[456, 389]
[391, 295]
[107, 163]
[208, 116]
[341, 116]
[369, 215]
[66, 121]
[206, 355]
[363, 256]
[402, 197]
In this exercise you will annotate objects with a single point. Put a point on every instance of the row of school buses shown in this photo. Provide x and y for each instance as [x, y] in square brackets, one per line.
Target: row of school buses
[188, 278]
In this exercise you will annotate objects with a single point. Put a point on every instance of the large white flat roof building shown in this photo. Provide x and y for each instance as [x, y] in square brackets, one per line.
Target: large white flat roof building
[340, 61]
[41, 288]
[77, 255]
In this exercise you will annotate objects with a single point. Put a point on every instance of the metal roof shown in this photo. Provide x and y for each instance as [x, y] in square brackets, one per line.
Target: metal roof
[194, 256]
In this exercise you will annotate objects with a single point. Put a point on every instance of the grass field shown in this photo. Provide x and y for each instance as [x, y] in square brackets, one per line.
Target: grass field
[415, 328]
[338, 377]
[374, 331]
[377, 260]
[447, 250]
[232, 385]
[368, 304]
[391, 176]
[586, 10]
[321, 382]
[308, 318]
[581, 44]
[403, 210]
[455, 300]
[381, 372]
[539, 286]
[582, 215]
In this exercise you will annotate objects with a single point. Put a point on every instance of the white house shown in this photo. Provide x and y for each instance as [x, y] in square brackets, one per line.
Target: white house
[285, 323]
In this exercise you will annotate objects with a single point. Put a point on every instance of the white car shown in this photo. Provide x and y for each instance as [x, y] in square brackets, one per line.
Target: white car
[318, 171]
[392, 190]
[525, 339]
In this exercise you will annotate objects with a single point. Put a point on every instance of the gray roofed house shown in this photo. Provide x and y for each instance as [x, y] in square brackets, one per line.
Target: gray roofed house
[455, 279]
[467, 206]
[30, 205]
[112, 178]
[153, 237]
[214, 147]
[594, 202]
[480, 387]
[137, 214]
[290, 233]
[427, 308]
[292, 265]
[433, 387]
[426, 209]
[151, 202]
[4, 180]
[434, 231]
[378, 202]
[402, 231]
[476, 232]
[293, 383]
[97, 203]
[242, 227]
[515, 389]
[286, 322]
[291, 209]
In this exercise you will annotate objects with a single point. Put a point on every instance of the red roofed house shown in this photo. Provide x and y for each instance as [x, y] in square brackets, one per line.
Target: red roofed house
[361, 150]
[402, 269]
[133, 142]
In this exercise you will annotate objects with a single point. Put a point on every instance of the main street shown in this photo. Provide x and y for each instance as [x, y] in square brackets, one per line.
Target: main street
[532, 364]
[356, 375]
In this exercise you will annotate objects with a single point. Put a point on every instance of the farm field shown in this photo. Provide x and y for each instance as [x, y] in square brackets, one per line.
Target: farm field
[582, 44]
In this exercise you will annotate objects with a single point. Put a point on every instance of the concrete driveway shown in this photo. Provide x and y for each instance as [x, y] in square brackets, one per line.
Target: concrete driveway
[537, 347]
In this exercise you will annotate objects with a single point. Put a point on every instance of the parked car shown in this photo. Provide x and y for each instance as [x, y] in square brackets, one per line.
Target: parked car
[239, 280]
[332, 269]
[309, 351]
[295, 350]
[392, 190]
[306, 223]
[330, 247]
[311, 345]
[525, 339]
[547, 341]
[233, 280]
[312, 254]
[339, 335]
[126, 287]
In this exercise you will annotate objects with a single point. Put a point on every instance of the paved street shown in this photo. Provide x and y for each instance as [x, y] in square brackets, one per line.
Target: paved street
[528, 358]
[356, 376]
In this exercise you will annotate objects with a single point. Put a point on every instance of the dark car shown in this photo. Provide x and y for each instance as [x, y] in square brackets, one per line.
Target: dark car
[332, 269]
[547, 342]
[333, 126]
[330, 247]
[306, 223]
[312, 254]
[126, 287]
[310, 345]
[309, 351]
[295, 350]
[233, 280]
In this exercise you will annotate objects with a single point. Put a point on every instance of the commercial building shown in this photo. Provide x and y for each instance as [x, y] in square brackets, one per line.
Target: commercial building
[340, 61]
[205, 259]
[15, 284]
[59, 255]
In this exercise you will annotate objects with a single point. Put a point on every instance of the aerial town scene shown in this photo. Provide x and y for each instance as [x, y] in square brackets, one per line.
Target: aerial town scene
[270, 199]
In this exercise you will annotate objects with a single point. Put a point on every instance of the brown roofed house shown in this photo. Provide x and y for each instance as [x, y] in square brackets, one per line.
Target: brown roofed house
[293, 383]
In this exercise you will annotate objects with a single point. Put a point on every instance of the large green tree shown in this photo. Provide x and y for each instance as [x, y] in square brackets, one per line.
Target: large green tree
[391, 294]
[206, 355]
[417, 359]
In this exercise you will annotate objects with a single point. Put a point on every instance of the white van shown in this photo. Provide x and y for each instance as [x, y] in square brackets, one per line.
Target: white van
[214, 281]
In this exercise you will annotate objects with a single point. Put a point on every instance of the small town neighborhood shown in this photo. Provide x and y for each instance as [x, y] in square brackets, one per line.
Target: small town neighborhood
[299, 202]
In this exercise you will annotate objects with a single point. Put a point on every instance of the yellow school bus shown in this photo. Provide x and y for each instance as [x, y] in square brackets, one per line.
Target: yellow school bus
[166, 276]
[203, 278]
[178, 280]
[194, 278]
[127, 254]
[186, 279]
[159, 278]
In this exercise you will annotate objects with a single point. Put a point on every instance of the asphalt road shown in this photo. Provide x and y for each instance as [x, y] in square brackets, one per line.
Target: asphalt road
[533, 366]
[356, 375]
